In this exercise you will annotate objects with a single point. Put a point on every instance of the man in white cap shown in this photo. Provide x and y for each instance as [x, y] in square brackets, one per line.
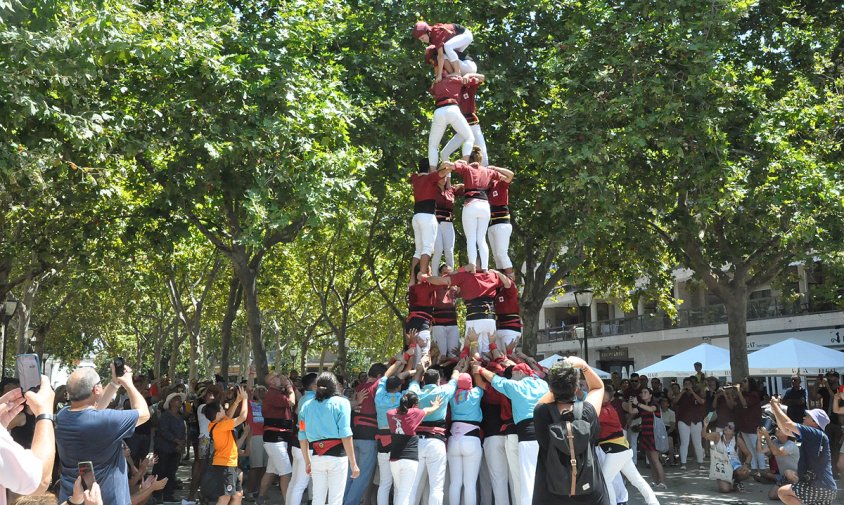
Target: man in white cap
[169, 442]
[817, 485]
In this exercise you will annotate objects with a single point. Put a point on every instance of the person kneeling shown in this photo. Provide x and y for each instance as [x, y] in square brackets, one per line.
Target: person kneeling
[726, 467]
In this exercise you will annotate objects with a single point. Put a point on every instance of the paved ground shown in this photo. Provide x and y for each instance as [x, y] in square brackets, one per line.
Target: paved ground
[689, 487]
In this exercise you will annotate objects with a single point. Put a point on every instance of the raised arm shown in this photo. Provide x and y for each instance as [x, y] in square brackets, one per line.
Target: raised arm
[785, 424]
[435, 404]
[504, 279]
[508, 174]
[136, 399]
[595, 396]
[707, 435]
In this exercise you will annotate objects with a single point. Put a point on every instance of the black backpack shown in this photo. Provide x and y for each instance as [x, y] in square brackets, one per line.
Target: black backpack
[570, 465]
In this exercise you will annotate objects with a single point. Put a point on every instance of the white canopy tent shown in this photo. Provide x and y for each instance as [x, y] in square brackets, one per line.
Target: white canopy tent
[712, 358]
[792, 356]
[550, 360]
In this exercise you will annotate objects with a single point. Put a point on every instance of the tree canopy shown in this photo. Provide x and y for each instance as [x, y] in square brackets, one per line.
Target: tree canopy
[182, 178]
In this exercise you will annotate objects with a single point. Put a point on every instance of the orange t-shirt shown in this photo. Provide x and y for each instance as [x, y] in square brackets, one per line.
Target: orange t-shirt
[225, 450]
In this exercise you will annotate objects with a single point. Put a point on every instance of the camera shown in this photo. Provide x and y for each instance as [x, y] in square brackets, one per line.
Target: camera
[769, 423]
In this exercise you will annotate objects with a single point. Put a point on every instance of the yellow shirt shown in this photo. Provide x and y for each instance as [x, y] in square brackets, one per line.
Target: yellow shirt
[225, 450]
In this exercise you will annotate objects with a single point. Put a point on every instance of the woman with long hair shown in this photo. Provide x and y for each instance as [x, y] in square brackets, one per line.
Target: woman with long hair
[325, 425]
[465, 453]
[733, 447]
[647, 409]
[404, 448]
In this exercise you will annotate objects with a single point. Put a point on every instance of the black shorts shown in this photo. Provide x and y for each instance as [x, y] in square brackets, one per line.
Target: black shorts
[229, 478]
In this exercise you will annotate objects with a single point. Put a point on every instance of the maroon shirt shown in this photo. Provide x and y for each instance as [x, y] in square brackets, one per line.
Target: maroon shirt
[748, 419]
[475, 176]
[500, 193]
[422, 294]
[466, 100]
[478, 285]
[425, 186]
[441, 33]
[507, 300]
[688, 411]
[447, 90]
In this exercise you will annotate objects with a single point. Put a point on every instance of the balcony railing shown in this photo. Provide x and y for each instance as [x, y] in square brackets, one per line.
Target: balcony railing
[760, 308]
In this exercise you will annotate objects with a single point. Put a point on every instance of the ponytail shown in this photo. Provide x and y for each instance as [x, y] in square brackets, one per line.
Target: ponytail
[407, 402]
[326, 386]
[476, 156]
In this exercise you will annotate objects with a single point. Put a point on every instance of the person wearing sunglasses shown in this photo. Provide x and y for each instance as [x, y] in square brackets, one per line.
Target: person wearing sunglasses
[731, 448]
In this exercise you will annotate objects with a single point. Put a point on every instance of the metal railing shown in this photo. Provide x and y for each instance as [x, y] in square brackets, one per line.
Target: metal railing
[760, 308]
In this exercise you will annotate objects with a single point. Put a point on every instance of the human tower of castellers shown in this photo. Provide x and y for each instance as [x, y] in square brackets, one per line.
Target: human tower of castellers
[445, 418]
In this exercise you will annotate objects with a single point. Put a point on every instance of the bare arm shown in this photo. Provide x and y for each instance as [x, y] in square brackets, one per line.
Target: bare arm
[440, 63]
[44, 439]
[136, 399]
[437, 281]
[785, 424]
[244, 411]
[508, 174]
[837, 408]
[504, 279]
[772, 447]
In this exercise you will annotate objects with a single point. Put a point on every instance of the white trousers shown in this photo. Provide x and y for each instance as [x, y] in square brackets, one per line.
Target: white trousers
[404, 473]
[528, 453]
[475, 222]
[444, 244]
[499, 241]
[484, 484]
[464, 463]
[432, 464]
[485, 328]
[692, 432]
[299, 480]
[385, 480]
[633, 440]
[622, 462]
[759, 461]
[447, 338]
[513, 467]
[424, 234]
[457, 43]
[495, 456]
[443, 117]
[456, 141]
[329, 474]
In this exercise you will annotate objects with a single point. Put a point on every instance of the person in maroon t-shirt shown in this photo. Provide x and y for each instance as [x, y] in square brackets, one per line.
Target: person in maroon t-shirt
[445, 331]
[477, 181]
[404, 449]
[444, 244]
[508, 323]
[500, 228]
[450, 41]
[466, 101]
[748, 418]
[425, 190]
[421, 300]
[478, 292]
[446, 93]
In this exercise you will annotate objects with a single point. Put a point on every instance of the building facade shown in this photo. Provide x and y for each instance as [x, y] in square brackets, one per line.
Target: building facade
[619, 341]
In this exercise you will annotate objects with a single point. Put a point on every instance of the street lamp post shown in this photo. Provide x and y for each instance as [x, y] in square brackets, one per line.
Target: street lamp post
[583, 298]
[7, 310]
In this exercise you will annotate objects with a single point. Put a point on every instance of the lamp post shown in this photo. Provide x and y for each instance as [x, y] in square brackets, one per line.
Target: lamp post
[7, 310]
[583, 298]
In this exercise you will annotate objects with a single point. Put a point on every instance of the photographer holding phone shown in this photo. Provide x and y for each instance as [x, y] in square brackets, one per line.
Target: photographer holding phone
[87, 431]
[27, 472]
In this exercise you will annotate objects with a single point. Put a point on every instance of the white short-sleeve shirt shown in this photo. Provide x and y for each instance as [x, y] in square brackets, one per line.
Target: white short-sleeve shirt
[20, 469]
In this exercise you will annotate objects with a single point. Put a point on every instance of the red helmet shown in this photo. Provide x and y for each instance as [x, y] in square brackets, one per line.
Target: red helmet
[420, 28]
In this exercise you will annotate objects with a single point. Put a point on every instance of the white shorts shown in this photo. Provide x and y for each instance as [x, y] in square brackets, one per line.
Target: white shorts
[257, 454]
[508, 337]
[278, 462]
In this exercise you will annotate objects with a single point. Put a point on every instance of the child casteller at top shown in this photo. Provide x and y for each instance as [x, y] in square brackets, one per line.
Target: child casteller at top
[450, 41]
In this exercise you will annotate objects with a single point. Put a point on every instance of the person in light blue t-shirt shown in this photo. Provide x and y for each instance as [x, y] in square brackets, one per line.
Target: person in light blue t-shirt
[524, 389]
[465, 454]
[325, 425]
[387, 397]
[300, 478]
[432, 432]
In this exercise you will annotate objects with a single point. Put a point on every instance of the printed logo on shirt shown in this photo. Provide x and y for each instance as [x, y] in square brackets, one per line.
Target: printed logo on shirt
[465, 96]
[302, 425]
[495, 193]
[501, 299]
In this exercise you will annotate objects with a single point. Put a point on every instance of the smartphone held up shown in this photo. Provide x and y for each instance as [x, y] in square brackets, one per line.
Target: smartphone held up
[29, 371]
